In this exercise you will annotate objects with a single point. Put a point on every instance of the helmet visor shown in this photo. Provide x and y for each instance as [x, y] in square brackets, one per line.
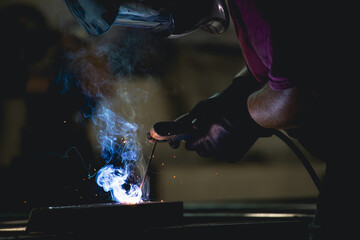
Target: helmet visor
[171, 17]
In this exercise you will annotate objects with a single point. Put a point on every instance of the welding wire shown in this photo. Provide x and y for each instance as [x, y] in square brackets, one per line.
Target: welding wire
[148, 165]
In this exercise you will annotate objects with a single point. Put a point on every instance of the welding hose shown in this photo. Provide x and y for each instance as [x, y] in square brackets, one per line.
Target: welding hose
[315, 178]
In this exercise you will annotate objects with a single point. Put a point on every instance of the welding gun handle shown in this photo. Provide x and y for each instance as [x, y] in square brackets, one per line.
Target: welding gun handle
[182, 137]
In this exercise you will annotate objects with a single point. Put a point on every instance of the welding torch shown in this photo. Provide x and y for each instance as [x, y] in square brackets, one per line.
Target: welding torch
[170, 131]
[166, 132]
[176, 131]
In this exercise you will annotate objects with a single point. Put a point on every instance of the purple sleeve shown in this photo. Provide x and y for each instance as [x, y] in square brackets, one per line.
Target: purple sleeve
[255, 34]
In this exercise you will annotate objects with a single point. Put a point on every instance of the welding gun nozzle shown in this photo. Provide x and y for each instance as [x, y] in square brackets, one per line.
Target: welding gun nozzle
[170, 131]
[149, 137]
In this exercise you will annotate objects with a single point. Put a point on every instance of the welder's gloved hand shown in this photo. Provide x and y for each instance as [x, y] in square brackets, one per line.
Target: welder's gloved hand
[223, 128]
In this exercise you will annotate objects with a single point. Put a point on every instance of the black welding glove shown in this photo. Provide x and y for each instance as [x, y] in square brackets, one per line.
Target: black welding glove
[222, 126]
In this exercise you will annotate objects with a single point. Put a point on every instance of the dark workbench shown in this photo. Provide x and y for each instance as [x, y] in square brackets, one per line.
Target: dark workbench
[200, 220]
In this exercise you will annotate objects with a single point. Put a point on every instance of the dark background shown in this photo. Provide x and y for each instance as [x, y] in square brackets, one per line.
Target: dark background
[47, 147]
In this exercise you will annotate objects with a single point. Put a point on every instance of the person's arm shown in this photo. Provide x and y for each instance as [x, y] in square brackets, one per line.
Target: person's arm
[220, 126]
[283, 109]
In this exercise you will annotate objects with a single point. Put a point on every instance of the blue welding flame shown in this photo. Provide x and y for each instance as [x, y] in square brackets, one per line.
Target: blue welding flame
[121, 152]
[99, 70]
[112, 179]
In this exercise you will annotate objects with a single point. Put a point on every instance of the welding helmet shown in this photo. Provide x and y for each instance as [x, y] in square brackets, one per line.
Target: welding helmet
[165, 17]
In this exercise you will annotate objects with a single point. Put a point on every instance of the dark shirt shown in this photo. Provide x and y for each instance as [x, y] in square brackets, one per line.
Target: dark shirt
[313, 44]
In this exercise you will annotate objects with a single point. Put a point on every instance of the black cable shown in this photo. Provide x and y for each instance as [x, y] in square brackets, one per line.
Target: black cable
[315, 178]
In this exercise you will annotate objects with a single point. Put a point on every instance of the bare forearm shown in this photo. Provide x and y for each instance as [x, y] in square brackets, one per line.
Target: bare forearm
[284, 109]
